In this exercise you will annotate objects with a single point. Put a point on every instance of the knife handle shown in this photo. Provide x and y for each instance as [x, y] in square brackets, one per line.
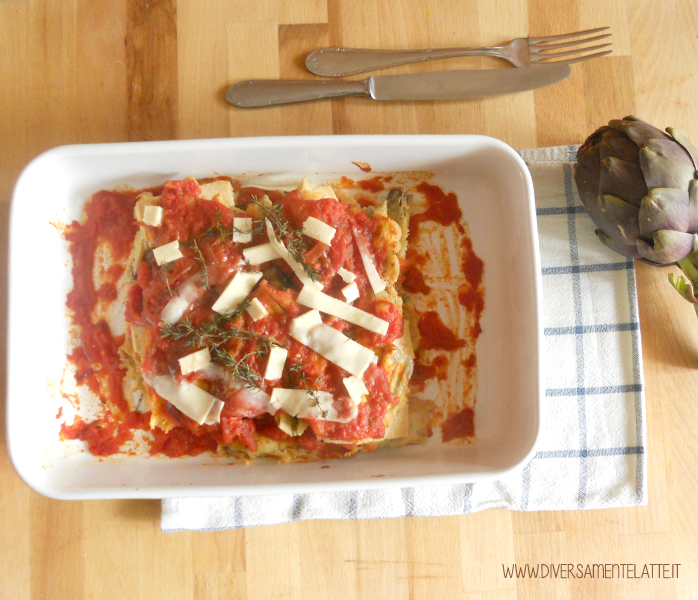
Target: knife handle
[269, 92]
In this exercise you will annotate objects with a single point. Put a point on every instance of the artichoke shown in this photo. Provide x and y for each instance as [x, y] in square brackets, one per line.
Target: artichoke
[640, 188]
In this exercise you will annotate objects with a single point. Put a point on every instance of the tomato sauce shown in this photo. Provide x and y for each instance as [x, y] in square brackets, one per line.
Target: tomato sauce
[460, 425]
[442, 208]
[375, 184]
[370, 420]
[414, 282]
[435, 335]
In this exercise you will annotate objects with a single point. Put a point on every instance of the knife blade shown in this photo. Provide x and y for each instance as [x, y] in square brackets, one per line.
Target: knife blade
[436, 85]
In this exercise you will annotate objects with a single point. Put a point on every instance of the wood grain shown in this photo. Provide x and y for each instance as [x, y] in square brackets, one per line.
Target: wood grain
[151, 59]
[77, 71]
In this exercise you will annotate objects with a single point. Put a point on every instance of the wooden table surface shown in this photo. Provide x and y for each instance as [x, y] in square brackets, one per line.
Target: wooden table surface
[76, 71]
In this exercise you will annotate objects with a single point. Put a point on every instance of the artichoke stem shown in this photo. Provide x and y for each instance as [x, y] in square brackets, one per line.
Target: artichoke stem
[687, 287]
[688, 268]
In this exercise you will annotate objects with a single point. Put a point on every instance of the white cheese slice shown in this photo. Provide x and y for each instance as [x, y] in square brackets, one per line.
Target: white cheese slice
[318, 193]
[307, 404]
[236, 291]
[242, 229]
[214, 415]
[374, 359]
[167, 253]
[256, 310]
[374, 278]
[356, 388]
[404, 344]
[178, 305]
[283, 253]
[318, 230]
[220, 190]
[256, 255]
[266, 202]
[351, 292]
[195, 361]
[187, 397]
[318, 300]
[348, 276]
[152, 215]
[331, 344]
[275, 365]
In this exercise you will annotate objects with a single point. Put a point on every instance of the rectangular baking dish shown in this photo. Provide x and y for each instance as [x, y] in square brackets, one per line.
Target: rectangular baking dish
[496, 196]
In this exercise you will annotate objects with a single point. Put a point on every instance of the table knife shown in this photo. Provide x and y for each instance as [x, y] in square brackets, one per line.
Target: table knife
[436, 85]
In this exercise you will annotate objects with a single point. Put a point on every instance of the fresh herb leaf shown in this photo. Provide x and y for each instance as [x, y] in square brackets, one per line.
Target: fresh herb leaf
[199, 256]
[294, 239]
[241, 368]
[316, 402]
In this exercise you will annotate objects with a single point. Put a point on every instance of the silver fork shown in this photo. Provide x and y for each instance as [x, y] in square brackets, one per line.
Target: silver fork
[521, 52]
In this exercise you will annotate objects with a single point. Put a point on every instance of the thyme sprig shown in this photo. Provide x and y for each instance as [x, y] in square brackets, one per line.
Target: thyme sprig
[294, 239]
[215, 333]
[297, 368]
[240, 368]
[199, 256]
[316, 402]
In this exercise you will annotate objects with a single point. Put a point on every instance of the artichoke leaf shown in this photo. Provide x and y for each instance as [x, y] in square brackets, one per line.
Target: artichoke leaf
[685, 143]
[667, 246]
[623, 180]
[628, 250]
[619, 146]
[665, 164]
[588, 155]
[664, 208]
[693, 205]
[638, 131]
[618, 219]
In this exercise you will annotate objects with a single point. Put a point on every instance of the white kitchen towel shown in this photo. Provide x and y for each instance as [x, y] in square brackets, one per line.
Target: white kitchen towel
[592, 448]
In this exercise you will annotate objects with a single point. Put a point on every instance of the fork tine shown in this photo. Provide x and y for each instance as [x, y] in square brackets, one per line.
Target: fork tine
[543, 56]
[572, 60]
[562, 36]
[541, 47]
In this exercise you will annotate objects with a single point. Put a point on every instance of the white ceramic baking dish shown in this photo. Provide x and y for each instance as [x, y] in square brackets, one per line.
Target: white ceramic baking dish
[496, 195]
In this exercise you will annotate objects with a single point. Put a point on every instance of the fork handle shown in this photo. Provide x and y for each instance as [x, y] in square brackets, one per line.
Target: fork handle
[337, 62]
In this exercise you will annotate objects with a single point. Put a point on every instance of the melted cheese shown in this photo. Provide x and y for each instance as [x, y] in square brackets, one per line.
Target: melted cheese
[256, 255]
[242, 230]
[214, 415]
[313, 298]
[236, 291]
[348, 276]
[318, 230]
[195, 361]
[256, 310]
[377, 284]
[351, 292]
[220, 191]
[356, 388]
[190, 399]
[178, 305]
[333, 345]
[276, 362]
[167, 253]
[309, 404]
[152, 215]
